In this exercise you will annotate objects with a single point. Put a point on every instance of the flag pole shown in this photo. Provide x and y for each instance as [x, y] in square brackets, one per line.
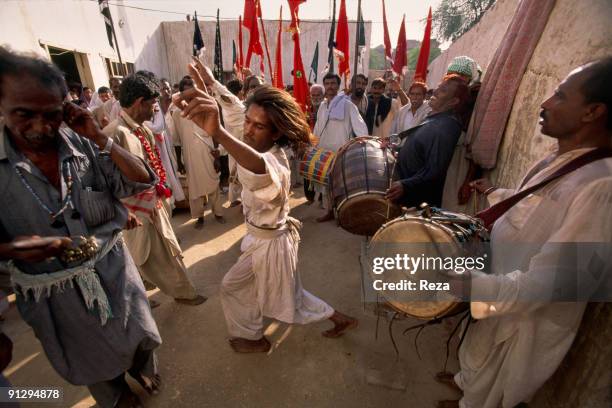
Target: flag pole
[357, 32]
[110, 17]
[263, 29]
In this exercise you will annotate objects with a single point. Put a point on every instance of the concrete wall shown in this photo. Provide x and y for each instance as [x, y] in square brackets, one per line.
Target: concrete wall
[576, 33]
[79, 26]
[479, 43]
[178, 37]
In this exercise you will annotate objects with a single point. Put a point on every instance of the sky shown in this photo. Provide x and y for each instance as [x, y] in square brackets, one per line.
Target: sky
[415, 10]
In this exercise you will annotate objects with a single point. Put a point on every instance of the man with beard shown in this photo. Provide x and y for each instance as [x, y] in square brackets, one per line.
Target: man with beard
[338, 120]
[381, 110]
[358, 96]
[153, 244]
[90, 316]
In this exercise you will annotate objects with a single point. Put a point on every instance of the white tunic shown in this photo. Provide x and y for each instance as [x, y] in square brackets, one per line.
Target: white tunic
[202, 178]
[265, 280]
[518, 344]
[405, 119]
[332, 133]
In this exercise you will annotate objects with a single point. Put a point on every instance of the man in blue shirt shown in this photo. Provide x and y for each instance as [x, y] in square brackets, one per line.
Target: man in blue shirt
[427, 152]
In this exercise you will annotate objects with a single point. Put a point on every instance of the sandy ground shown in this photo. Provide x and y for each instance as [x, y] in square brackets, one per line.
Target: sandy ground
[306, 370]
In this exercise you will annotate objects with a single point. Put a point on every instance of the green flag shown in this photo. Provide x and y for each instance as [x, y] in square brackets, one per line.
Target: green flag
[218, 67]
[314, 65]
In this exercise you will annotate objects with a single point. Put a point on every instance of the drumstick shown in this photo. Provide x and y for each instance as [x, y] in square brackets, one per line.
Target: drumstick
[390, 182]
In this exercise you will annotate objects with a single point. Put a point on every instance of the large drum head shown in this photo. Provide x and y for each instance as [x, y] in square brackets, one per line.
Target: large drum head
[415, 237]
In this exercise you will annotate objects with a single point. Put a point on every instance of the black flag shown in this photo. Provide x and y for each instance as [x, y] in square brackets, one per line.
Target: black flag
[218, 67]
[331, 44]
[198, 42]
[107, 20]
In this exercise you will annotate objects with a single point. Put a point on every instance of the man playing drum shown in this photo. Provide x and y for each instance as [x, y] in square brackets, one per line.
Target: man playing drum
[338, 120]
[424, 159]
[556, 242]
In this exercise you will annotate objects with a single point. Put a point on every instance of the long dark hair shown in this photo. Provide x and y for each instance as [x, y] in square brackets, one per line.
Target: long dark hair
[284, 113]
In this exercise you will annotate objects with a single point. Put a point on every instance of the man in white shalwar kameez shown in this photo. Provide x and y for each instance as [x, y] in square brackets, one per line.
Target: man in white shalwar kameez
[232, 111]
[561, 233]
[265, 280]
[152, 244]
[198, 152]
[338, 120]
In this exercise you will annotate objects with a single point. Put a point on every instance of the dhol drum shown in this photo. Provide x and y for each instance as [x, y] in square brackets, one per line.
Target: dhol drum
[359, 179]
[315, 165]
[432, 237]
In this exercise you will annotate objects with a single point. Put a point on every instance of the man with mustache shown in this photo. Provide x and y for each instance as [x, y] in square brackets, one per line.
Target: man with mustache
[61, 177]
[551, 250]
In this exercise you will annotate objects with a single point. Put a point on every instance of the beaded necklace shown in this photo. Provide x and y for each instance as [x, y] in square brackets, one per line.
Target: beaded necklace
[67, 202]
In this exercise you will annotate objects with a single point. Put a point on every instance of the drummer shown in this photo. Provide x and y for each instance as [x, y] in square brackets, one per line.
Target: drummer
[423, 161]
[265, 280]
[338, 120]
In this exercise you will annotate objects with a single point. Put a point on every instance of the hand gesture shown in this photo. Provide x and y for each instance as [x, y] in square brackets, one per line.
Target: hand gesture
[34, 248]
[394, 85]
[81, 121]
[204, 71]
[395, 192]
[198, 106]
[481, 185]
[132, 221]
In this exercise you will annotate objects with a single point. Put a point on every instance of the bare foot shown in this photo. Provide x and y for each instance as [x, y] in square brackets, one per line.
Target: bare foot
[150, 384]
[128, 399]
[447, 378]
[342, 323]
[240, 345]
[328, 216]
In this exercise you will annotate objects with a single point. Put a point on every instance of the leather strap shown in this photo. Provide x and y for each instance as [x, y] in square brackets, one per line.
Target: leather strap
[491, 214]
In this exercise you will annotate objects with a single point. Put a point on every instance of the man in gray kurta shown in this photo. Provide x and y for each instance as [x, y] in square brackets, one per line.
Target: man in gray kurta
[94, 323]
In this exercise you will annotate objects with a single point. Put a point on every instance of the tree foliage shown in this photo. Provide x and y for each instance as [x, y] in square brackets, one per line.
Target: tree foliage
[452, 18]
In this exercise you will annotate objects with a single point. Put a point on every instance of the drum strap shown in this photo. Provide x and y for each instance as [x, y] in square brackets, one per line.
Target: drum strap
[491, 214]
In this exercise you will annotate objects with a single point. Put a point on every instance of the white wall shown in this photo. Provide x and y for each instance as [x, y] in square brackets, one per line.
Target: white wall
[79, 26]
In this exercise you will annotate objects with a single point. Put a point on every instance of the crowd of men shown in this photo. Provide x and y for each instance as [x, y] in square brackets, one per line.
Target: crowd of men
[109, 165]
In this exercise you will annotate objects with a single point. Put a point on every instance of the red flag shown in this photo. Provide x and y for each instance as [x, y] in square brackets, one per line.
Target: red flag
[250, 7]
[421, 67]
[400, 50]
[251, 12]
[342, 42]
[240, 63]
[278, 69]
[300, 86]
[388, 49]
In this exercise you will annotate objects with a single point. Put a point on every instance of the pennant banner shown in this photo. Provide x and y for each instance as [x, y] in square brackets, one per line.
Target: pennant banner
[218, 66]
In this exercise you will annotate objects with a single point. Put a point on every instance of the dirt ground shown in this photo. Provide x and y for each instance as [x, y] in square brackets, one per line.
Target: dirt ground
[306, 370]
